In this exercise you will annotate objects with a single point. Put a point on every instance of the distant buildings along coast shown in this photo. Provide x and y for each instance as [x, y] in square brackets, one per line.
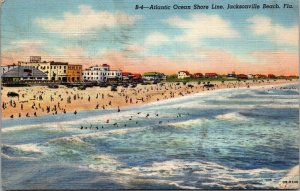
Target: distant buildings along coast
[36, 71]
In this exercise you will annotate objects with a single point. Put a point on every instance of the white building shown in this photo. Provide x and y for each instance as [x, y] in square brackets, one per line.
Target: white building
[250, 76]
[183, 74]
[101, 73]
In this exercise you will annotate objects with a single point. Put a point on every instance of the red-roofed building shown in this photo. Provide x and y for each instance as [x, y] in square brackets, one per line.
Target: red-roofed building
[261, 76]
[242, 76]
[137, 77]
[198, 75]
[183, 74]
[293, 76]
[271, 76]
[126, 75]
[211, 75]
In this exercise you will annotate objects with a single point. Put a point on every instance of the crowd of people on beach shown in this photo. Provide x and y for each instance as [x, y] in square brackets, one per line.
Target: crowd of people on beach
[40, 100]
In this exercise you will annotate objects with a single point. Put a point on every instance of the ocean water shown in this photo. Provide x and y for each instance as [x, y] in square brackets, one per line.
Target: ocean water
[224, 139]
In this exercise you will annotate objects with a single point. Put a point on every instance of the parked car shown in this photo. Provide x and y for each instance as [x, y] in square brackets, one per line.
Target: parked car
[90, 84]
[133, 85]
[12, 94]
[81, 87]
[114, 88]
[103, 85]
[145, 83]
[72, 85]
[54, 86]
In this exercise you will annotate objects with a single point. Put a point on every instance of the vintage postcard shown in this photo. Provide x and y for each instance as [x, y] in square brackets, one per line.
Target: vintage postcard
[148, 94]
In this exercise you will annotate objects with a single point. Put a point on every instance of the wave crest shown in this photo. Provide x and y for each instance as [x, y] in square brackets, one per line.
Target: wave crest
[233, 116]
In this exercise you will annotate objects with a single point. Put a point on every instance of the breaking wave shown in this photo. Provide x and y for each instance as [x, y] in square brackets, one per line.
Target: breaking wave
[201, 174]
[32, 148]
[67, 140]
[188, 123]
[234, 116]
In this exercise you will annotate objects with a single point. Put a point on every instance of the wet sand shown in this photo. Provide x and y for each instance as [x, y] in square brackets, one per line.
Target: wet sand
[40, 100]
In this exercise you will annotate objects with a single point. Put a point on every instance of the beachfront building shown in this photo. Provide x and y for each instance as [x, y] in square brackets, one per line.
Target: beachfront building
[7, 68]
[242, 76]
[271, 76]
[211, 75]
[137, 77]
[56, 71]
[260, 76]
[126, 76]
[25, 74]
[250, 76]
[198, 75]
[183, 74]
[153, 76]
[101, 73]
[293, 76]
[231, 76]
[74, 73]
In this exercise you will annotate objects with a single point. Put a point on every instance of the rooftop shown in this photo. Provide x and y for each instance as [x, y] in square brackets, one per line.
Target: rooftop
[22, 71]
[151, 74]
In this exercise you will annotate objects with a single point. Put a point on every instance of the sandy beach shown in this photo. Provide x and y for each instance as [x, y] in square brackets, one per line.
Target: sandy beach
[291, 180]
[40, 100]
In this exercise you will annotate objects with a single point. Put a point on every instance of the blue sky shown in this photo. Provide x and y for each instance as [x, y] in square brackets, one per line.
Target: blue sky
[47, 26]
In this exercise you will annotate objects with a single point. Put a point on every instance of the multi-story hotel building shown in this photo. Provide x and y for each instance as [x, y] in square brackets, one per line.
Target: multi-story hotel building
[56, 71]
[74, 73]
[101, 73]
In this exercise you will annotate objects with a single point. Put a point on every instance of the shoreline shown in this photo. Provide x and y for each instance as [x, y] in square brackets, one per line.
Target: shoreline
[102, 98]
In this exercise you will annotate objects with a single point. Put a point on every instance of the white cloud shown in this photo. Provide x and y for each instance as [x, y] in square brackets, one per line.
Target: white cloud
[156, 39]
[28, 43]
[264, 26]
[85, 22]
[201, 26]
[135, 48]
